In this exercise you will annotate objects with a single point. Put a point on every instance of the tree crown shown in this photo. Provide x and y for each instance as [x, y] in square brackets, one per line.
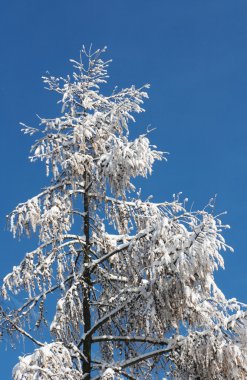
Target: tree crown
[133, 280]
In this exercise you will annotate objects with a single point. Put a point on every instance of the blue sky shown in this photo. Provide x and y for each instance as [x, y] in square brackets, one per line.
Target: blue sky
[194, 55]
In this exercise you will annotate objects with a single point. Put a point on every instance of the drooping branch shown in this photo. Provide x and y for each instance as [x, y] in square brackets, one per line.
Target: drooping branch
[21, 330]
[120, 248]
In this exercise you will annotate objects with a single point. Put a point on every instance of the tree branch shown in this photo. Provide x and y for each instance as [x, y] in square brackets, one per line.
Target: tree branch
[104, 319]
[149, 355]
[120, 248]
[23, 332]
[126, 338]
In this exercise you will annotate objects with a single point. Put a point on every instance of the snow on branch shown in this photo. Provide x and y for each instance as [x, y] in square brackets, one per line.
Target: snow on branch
[53, 361]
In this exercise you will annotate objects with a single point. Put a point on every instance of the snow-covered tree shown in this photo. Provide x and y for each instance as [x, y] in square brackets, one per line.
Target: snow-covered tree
[132, 281]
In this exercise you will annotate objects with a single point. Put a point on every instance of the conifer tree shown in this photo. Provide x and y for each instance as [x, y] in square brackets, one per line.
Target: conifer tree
[133, 280]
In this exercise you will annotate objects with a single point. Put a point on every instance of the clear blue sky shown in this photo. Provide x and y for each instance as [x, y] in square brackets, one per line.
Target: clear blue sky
[194, 54]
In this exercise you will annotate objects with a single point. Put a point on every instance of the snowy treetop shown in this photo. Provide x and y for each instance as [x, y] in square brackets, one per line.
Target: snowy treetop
[133, 280]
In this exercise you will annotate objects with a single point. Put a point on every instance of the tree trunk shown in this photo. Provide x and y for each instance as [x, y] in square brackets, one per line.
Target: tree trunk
[87, 285]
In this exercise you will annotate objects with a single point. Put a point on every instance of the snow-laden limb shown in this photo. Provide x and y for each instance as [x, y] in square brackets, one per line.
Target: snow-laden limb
[53, 361]
[134, 159]
[50, 213]
[170, 265]
[36, 271]
[69, 315]
[125, 287]
[210, 355]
